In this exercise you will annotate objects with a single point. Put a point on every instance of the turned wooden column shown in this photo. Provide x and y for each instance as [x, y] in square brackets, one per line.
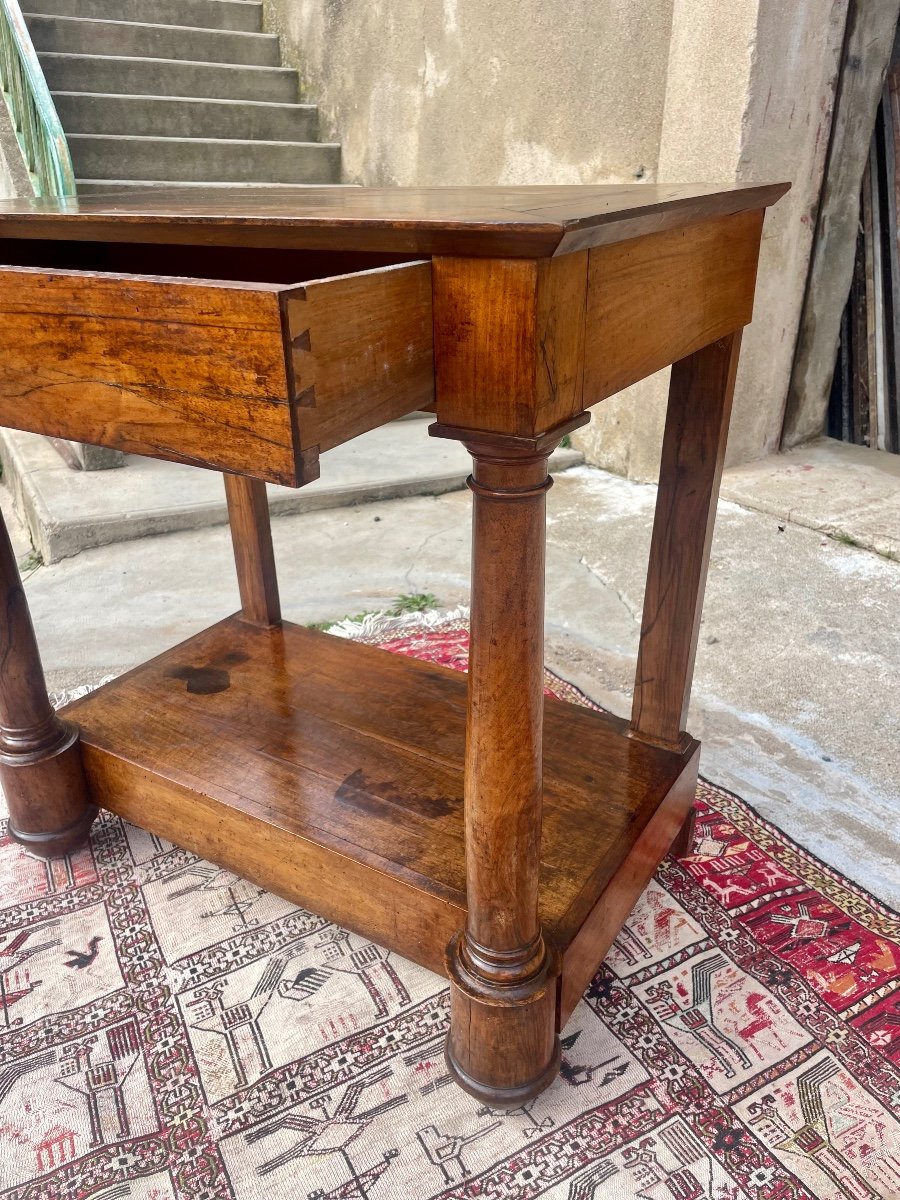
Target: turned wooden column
[503, 1046]
[50, 812]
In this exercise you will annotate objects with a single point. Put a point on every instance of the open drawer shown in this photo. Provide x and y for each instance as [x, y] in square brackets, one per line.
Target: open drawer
[253, 377]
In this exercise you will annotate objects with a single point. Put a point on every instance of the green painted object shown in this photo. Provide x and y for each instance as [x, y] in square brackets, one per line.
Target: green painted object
[31, 106]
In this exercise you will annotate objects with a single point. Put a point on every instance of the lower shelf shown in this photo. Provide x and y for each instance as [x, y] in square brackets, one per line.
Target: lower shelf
[332, 774]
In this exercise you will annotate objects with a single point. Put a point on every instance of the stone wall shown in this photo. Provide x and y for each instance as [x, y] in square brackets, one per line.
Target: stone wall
[468, 92]
[595, 91]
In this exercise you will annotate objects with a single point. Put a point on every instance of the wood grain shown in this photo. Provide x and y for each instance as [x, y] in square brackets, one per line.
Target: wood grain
[509, 338]
[361, 351]
[521, 346]
[521, 222]
[255, 378]
[499, 1051]
[684, 840]
[254, 558]
[170, 368]
[700, 396]
[298, 864]
[589, 946]
[658, 299]
[505, 712]
[277, 726]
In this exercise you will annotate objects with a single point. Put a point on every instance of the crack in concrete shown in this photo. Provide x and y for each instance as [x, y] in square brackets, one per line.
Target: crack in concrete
[633, 611]
[418, 550]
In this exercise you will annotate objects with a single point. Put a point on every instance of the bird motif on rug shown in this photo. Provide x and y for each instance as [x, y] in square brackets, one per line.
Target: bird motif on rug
[80, 959]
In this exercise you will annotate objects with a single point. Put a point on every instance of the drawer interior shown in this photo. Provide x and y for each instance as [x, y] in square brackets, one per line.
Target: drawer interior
[244, 264]
[243, 359]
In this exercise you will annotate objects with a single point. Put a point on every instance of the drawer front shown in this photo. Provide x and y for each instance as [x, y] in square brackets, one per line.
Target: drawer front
[168, 368]
[218, 374]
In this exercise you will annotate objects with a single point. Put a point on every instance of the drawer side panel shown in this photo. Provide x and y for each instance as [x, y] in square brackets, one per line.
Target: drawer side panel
[361, 351]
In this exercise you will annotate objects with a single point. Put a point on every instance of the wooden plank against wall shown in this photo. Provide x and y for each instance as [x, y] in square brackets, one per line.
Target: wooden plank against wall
[880, 355]
[891, 113]
[866, 52]
[884, 147]
[871, 358]
[859, 344]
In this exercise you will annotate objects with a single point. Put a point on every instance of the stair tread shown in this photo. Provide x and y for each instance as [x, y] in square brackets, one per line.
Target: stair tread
[212, 13]
[174, 184]
[179, 62]
[277, 104]
[130, 138]
[237, 33]
[180, 78]
[96, 36]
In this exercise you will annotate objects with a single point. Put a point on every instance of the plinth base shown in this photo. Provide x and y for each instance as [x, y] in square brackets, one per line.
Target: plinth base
[332, 773]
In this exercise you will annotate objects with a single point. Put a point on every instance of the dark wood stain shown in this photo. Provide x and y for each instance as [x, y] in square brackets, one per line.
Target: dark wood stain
[203, 681]
[366, 796]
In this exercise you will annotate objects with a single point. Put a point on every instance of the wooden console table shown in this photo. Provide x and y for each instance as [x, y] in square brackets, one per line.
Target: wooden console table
[250, 334]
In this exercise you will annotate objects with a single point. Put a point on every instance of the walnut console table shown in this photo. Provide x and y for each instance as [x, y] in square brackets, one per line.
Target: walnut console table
[250, 334]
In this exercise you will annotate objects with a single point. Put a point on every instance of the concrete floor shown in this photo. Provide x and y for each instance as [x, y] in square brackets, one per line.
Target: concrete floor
[795, 699]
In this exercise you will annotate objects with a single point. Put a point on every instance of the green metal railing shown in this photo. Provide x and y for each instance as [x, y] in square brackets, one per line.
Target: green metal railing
[31, 107]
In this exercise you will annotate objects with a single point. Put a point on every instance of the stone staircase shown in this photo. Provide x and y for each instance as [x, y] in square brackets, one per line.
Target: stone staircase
[184, 93]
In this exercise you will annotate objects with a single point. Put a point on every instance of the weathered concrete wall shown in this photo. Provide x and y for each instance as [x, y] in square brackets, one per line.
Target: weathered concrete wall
[749, 97]
[458, 91]
[464, 92]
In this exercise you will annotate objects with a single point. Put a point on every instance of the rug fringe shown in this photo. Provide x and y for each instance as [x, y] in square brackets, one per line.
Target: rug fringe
[379, 626]
[67, 695]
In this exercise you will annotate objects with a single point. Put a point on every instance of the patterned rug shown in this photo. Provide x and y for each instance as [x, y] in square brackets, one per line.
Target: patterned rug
[171, 1032]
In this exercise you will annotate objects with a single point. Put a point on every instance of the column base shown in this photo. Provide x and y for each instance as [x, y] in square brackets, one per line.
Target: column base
[50, 813]
[60, 843]
[503, 1047]
[504, 1097]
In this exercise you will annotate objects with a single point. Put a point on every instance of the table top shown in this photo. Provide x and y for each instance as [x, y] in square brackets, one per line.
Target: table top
[484, 221]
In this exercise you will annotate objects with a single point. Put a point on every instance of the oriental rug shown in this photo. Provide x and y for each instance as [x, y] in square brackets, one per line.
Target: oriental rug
[168, 1031]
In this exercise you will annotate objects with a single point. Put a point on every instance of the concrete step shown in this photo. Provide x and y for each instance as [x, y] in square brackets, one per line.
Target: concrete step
[243, 15]
[167, 77]
[76, 35]
[69, 511]
[156, 116]
[195, 159]
[849, 492]
[114, 186]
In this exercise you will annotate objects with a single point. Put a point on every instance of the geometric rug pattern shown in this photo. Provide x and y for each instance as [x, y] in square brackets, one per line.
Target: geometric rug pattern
[169, 1031]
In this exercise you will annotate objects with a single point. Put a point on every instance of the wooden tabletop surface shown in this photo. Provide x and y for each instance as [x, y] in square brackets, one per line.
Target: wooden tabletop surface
[502, 221]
